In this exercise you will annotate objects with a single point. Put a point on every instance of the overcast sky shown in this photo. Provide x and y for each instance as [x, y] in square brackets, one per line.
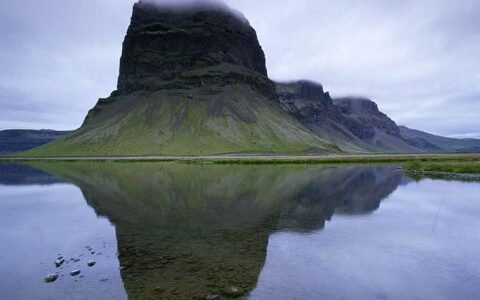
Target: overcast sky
[419, 60]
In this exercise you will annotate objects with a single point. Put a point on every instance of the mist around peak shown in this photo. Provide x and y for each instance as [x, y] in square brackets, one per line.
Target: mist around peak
[194, 5]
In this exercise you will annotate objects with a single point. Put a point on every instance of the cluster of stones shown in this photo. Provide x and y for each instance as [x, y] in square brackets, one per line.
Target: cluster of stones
[60, 261]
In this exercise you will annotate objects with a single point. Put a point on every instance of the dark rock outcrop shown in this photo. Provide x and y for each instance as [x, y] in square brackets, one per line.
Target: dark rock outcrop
[169, 47]
[314, 108]
[307, 101]
[355, 124]
[363, 118]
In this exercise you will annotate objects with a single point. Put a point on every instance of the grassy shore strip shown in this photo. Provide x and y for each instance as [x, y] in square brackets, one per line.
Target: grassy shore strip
[441, 175]
[467, 159]
[444, 167]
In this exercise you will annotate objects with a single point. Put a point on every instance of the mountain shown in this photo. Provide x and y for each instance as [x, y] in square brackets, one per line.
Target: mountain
[434, 143]
[354, 124]
[16, 140]
[192, 80]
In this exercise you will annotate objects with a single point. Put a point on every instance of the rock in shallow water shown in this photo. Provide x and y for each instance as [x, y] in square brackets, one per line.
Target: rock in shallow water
[59, 262]
[233, 291]
[74, 272]
[51, 278]
[91, 263]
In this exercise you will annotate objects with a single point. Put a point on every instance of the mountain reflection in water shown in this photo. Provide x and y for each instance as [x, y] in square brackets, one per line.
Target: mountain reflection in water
[188, 231]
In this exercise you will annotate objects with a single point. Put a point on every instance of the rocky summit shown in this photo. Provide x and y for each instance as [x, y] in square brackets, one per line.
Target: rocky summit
[169, 47]
[192, 80]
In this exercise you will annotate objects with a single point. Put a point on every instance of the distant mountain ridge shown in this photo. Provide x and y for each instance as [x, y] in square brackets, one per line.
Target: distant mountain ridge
[434, 143]
[16, 140]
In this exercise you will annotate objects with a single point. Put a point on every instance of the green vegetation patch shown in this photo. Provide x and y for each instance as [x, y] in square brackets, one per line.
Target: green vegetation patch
[412, 161]
[466, 166]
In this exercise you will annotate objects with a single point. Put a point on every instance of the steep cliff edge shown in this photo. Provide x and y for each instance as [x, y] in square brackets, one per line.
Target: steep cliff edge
[314, 108]
[170, 47]
[354, 124]
[364, 119]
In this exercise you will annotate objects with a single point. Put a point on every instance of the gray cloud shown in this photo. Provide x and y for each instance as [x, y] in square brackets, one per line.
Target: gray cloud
[417, 59]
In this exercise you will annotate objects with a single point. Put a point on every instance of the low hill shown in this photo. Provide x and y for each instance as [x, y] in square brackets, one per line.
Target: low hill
[16, 140]
[434, 143]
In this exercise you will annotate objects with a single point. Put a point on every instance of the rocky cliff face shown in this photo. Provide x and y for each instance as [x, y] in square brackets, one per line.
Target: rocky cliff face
[314, 108]
[169, 47]
[307, 101]
[355, 124]
[363, 118]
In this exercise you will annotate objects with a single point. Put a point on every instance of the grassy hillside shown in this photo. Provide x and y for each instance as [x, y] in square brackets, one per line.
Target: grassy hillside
[182, 122]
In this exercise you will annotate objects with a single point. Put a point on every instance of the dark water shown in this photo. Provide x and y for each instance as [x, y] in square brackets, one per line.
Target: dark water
[177, 231]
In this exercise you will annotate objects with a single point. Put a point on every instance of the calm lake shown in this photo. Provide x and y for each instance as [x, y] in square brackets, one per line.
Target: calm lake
[180, 231]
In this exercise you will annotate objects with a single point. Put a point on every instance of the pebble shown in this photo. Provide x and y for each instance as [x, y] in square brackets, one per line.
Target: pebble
[51, 278]
[59, 262]
[74, 272]
[91, 263]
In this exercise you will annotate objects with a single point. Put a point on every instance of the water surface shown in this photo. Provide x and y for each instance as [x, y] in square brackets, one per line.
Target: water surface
[178, 231]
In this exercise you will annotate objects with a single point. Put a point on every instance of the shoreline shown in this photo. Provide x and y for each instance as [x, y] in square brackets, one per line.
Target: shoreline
[438, 174]
[257, 159]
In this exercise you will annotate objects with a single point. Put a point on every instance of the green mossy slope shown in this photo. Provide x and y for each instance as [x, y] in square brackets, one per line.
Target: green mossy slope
[213, 120]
